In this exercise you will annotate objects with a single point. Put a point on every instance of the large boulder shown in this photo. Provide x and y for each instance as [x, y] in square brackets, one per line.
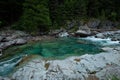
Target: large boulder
[63, 34]
[11, 37]
[83, 31]
[100, 35]
[5, 45]
[20, 41]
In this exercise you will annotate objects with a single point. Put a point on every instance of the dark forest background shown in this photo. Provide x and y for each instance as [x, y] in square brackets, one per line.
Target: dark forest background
[43, 15]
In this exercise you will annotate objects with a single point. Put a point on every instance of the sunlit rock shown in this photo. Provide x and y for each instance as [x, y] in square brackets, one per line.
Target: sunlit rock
[83, 31]
[71, 68]
[63, 34]
[20, 41]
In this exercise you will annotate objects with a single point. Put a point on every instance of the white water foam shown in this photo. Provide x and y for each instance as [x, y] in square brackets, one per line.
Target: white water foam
[100, 41]
[6, 66]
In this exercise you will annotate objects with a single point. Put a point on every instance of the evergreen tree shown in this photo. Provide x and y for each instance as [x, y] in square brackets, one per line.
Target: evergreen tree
[38, 15]
[35, 16]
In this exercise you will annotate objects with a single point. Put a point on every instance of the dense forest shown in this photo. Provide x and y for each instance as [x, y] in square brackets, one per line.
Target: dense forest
[43, 15]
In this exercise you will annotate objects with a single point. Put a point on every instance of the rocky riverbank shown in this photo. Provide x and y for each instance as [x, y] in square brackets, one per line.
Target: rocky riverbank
[87, 67]
[9, 38]
[100, 66]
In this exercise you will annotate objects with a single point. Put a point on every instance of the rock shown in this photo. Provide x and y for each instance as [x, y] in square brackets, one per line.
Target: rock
[100, 35]
[1, 38]
[63, 34]
[6, 44]
[117, 48]
[109, 73]
[8, 38]
[20, 34]
[4, 78]
[30, 72]
[107, 49]
[83, 31]
[0, 52]
[20, 41]
[55, 32]
[94, 23]
[114, 35]
[114, 39]
[107, 25]
[72, 68]
[92, 77]
[11, 37]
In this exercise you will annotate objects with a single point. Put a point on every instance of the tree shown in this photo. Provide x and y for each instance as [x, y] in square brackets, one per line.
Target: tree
[35, 16]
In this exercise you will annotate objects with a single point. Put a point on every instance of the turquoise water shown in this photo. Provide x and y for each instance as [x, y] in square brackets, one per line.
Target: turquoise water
[55, 49]
[7, 66]
[60, 48]
[67, 46]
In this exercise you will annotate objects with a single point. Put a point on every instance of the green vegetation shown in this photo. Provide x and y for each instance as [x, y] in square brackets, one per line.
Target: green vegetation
[35, 16]
[43, 15]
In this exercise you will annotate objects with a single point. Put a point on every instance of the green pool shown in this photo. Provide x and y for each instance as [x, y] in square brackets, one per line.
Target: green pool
[54, 49]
